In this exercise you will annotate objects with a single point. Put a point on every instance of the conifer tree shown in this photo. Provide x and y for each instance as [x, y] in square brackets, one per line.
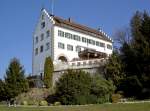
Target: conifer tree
[48, 72]
[15, 80]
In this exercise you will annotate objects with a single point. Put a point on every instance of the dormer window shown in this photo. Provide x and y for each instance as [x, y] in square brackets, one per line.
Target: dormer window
[42, 25]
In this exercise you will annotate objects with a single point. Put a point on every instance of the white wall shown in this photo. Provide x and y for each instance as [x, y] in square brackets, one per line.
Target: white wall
[39, 59]
[73, 54]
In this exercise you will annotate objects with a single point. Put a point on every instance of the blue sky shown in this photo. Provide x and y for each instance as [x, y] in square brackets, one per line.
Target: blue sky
[19, 17]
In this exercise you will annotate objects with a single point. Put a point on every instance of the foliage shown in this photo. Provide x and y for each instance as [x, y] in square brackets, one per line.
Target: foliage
[131, 86]
[78, 87]
[15, 80]
[57, 103]
[71, 85]
[130, 68]
[2, 91]
[114, 69]
[116, 98]
[48, 72]
[34, 96]
[136, 56]
[25, 103]
[102, 89]
[43, 103]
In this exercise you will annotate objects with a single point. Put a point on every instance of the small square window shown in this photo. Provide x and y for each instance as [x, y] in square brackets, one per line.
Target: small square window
[48, 33]
[47, 46]
[41, 48]
[36, 51]
[42, 36]
[70, 47]
[61, 45]
[42, 25]
[43, 17]
[36, 39]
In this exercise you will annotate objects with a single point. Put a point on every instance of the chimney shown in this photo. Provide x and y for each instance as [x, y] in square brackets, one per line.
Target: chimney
[69, 19]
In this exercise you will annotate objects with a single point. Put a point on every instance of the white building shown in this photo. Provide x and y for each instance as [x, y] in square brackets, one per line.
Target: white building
[64, 41]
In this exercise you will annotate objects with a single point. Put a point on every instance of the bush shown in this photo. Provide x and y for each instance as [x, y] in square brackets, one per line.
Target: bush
[78, 87]
[116, 98]
[57, 103]
[43, 103]
[102, 89]
[34, 96]
[71, 85]
[24, 103]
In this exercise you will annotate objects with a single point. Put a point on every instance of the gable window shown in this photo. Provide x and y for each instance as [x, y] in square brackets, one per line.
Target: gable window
[43, 17]
[47, 33]
[36, 39]
[109, 46]
[36, 51]
[41, 48]
[61, 45]
[47, 45]
[42, 36]
[69, 47]
[42, 25]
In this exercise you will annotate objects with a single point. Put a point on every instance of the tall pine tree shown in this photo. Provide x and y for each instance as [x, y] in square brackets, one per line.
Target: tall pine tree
[15, 80]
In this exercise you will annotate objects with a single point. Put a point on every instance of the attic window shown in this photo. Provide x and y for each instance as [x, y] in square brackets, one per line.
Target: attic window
[42, 17]
[42, 25]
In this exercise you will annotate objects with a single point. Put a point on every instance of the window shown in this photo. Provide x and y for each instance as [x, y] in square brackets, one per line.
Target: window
[67, 35]
[70, 47]
[102, 44]
[36, 39]
[36, 51]
[61, 45]
[84, 39]
[47, 46]
[47, 33]
[97, 43]
[90, 41]
[109, 46]
[42, 36]
[61, 33]
[41, 48]
[42, 25]
[78, 49]
[43, 17]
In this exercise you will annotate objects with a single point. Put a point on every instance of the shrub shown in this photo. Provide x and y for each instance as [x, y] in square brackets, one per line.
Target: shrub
[71, 85]
[102, 89]
[57, 103]
[78, 87]
[24, 103]
[43, 103]
[116, 98]
[34, 96]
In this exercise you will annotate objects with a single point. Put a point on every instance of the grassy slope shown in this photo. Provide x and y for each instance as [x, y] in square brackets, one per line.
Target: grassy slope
[104, 107]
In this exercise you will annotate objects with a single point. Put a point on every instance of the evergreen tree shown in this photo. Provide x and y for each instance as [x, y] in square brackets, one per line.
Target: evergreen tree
[136, 55]
[15, 80]
[48, 72]
[114, 69]
[3, 95]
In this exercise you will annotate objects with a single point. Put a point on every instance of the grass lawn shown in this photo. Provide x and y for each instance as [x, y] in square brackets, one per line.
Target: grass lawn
[103, 107]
